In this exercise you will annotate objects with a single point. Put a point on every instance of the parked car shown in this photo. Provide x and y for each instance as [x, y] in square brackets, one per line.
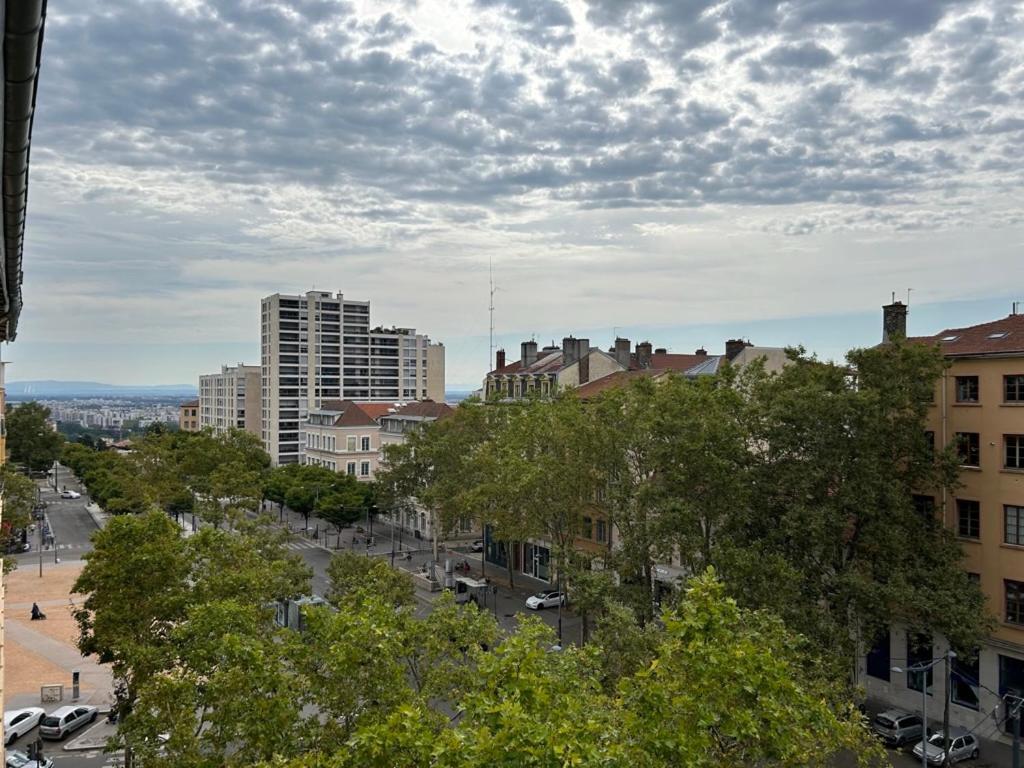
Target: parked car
[896, 727]
[545, 600]
[963, 746]
[64, 720]
[17, 759]
[18, 722]
[67, 493]
[477, 546]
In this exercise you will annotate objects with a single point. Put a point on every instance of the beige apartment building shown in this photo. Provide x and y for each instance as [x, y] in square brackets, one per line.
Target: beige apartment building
[231, 399]
[318, 348]
[341, 436]
[188, 416]
[979, 407]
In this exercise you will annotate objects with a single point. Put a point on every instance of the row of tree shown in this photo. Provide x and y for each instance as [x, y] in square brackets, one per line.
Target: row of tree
[217, 477]
[798, 488]
[207, 678]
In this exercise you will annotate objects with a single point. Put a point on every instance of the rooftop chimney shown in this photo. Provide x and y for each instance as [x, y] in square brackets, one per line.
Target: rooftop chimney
[499, 359]
[570, 350]
[894, 322]
[661, 351]
[528, 353]
[734, 346]
[622, 352]
[701, 352]
[643, 354]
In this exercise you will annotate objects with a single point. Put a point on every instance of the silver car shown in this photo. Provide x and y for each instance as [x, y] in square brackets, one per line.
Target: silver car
[896, 727]
[64, 720]
[962, 746]
[16, 759]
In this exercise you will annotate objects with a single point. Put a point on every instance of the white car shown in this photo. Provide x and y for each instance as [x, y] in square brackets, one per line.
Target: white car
[545, 600]
[16, 759]
[67, 493]
[18, 722]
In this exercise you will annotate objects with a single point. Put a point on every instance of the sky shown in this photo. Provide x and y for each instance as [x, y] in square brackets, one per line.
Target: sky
[679, 170]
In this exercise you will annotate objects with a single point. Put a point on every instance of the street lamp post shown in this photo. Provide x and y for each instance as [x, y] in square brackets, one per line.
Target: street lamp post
[922, 669]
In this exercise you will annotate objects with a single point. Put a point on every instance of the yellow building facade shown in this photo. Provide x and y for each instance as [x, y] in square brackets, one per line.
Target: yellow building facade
[978, 407]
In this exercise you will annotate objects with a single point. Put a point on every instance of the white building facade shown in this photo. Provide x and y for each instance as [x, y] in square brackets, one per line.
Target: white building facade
[231, 399]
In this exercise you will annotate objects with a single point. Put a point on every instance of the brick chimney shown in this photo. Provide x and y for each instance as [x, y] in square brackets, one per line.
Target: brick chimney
[499, 359]
[643, 354]
[701, 352]
[734, 346]
[894, 322]
[528, 353]
[622, 352]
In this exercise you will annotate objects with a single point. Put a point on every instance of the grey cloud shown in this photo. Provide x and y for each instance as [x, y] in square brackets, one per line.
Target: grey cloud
[802, 56]
[547, 23]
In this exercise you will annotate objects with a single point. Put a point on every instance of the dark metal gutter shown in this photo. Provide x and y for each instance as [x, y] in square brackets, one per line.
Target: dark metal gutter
[23, 22]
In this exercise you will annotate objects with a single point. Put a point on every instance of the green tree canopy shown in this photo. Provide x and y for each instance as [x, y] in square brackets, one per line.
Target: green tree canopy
[31, 440]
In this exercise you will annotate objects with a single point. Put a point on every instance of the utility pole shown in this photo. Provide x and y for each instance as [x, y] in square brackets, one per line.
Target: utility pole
[950, 655]
[1014, 715]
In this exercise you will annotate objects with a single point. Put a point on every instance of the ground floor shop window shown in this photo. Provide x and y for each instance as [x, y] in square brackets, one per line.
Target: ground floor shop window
[1011, 681]
[964, 675]
[919, 652]
[880, 658]
[495, 551]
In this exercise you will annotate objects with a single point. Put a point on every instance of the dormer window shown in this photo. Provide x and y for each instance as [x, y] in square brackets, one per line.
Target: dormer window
[999, 335]
[950, 338]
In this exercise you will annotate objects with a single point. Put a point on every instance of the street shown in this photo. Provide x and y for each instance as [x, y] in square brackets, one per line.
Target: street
[71, 525]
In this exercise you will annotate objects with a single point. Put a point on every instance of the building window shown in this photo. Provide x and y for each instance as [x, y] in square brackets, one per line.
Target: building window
[350, 469]
[1013, 388]
[968, 445]
[351, 444]
[967, 389]
[1014, 451]
[1014, 601]
[964, 680]
[925, 506]
[366, 443]
[968, 516]
[919, 651]
[879, 658]
[602, 533]
[929, 438]
[364, 469]
[587, 529]
[1014, 517]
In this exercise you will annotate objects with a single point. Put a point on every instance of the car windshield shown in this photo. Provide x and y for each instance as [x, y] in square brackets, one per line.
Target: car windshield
[885, 721]
[51, 722]
[541, 595]
[16, 759]
[937, 740]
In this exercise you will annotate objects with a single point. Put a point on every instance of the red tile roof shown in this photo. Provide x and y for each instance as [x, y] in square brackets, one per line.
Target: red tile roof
[350, 414]
[999, 337]
[376, 410]
[612, 380]
[677, 363]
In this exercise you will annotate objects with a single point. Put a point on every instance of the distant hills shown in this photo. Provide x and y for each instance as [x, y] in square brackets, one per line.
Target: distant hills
[45, 389]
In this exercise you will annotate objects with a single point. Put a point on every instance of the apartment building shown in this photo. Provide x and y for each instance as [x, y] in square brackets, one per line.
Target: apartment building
[188, 416]
[231, 399]
[577, 364]
[979, 407]
[320, 347]
[395, 427]
[343, 437]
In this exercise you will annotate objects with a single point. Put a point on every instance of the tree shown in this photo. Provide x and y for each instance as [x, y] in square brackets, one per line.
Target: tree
[351, 575]
[19, 495]
[30, 438]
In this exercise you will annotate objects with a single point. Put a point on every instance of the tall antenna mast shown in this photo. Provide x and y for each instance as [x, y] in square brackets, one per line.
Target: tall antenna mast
[490, 349]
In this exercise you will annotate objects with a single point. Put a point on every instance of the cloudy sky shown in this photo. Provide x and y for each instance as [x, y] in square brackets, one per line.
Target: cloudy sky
[684, 170]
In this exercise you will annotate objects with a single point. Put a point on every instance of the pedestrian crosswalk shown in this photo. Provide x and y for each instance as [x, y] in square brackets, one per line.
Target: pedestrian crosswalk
[301, 544]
